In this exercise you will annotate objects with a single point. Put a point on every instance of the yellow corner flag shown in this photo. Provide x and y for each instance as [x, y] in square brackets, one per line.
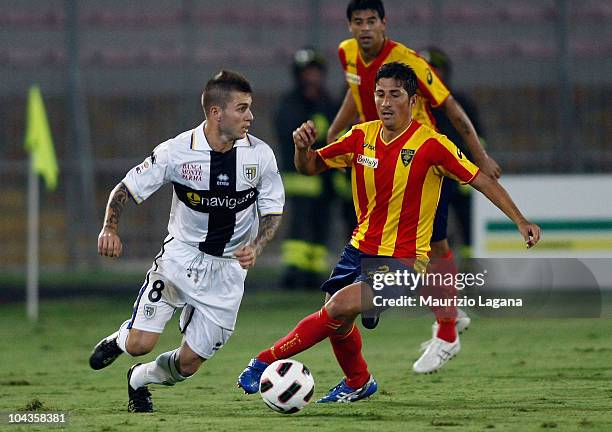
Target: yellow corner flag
[38, 139]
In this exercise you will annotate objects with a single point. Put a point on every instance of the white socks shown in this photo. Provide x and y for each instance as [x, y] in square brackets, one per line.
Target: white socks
[161, 371]
[122, 335]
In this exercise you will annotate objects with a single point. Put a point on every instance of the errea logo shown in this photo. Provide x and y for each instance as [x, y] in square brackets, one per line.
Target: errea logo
[223, 180]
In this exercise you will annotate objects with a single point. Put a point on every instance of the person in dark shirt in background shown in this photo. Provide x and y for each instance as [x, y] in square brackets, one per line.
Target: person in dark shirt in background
[310, 199]
[459, 197]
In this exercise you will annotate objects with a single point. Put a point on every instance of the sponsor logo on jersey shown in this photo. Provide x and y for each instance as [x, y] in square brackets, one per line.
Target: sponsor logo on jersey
[352, 78]
[250, 172]
[191, 172]
[429, 77]
[149, 311]
[223, 180]
[194, 198]
[369, 146]
[407, 155]
[228, 202]
[205, 201]
[367, 161]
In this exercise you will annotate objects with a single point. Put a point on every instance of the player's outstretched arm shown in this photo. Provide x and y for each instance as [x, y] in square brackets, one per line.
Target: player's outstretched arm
[109, 243]
[500, 197]
[306, 160]
[344, 118]
[462, 123]
[268, 225]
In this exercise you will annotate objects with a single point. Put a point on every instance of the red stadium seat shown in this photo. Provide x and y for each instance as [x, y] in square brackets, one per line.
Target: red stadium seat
[25, 18]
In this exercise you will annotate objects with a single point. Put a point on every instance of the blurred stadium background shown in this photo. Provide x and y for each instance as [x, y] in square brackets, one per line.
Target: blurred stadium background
[120, 77]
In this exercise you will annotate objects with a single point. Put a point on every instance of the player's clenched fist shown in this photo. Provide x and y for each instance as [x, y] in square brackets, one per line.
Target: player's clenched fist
[305, 136]
[109, 243]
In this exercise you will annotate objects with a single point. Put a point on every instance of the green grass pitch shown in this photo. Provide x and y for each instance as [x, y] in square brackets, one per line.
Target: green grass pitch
[511, 375]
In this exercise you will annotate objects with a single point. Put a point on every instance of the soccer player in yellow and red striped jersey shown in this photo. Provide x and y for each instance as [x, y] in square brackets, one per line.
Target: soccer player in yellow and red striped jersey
[398, 165]
[396, 184]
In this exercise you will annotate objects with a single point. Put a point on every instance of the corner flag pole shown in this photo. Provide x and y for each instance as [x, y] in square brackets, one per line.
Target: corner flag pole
[39, 143]
[33, 228]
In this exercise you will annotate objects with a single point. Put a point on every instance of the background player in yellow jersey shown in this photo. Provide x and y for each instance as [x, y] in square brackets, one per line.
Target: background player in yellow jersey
[398, 165]
[361, 57]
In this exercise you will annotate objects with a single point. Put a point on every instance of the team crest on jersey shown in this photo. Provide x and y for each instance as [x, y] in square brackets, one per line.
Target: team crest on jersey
[407, 156]
[369, 162]
[352, 78]
[149, 311]
[250, 171]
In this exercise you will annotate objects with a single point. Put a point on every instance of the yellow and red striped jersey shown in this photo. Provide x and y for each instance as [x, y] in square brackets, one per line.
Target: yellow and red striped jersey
[361, 79]
[396, 185]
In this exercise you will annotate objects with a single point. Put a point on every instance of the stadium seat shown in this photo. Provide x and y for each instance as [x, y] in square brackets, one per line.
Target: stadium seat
[470, 13]
[25, 18]
[523, 12]
[133, 18]
[333, 13]
[534, 50]
[598, 11]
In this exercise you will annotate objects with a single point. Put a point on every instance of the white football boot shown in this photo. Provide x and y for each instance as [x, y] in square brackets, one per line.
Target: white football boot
[437, 353]
[462, 324]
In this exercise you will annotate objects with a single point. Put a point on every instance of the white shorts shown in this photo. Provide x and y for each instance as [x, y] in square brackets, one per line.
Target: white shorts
[208, 288]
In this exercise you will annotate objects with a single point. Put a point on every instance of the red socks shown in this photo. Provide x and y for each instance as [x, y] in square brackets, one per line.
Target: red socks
[446, 316]
[310, 331]
[446, 329]
[347, 349]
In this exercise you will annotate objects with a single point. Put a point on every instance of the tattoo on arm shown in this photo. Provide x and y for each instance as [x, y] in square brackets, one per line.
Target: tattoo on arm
[464, 126]
[268, 225]
[116, 202]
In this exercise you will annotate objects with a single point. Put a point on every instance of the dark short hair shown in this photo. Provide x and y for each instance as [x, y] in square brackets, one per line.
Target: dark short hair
[219, 87]
[401, 72]
[357, 5]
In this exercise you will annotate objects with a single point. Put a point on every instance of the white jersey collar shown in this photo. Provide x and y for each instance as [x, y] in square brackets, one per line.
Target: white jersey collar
[199, 141]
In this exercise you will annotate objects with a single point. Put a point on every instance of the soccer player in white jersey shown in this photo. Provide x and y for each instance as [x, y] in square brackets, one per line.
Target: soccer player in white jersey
[227, 205]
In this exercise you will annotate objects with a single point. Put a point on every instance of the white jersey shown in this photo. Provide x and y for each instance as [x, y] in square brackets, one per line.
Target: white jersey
[217, 196]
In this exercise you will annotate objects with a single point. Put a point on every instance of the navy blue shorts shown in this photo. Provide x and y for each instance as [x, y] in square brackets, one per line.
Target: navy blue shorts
[440, 224]
[347, 271]
[350, 269]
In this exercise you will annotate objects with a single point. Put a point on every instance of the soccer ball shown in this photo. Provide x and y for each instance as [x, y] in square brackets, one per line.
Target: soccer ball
[286, 386]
